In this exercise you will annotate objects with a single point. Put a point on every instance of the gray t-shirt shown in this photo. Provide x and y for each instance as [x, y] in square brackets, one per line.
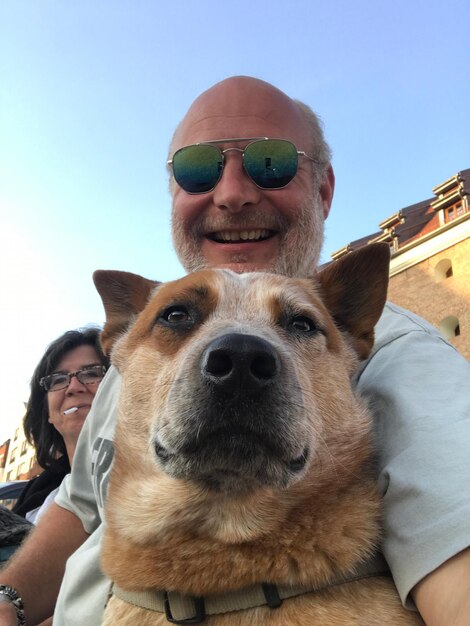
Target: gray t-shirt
[417, 386]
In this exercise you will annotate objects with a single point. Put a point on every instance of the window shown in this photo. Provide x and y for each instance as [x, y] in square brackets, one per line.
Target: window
[454, 211]
[450, 327]
[443, 270]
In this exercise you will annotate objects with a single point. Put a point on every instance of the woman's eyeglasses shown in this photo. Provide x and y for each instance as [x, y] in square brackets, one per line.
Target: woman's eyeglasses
[270, 163]
[61, 380]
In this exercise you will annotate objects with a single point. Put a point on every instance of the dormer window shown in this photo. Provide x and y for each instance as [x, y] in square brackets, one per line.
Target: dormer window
[453, 212]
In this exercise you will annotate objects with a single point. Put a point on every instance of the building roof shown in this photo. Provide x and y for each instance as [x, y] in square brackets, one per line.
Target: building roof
[417, 220]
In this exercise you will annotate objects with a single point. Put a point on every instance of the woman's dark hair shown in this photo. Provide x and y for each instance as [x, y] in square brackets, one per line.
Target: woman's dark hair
[40, 433]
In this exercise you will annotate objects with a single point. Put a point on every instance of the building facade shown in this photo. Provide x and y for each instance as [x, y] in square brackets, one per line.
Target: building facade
[18, 458]
[430, 258]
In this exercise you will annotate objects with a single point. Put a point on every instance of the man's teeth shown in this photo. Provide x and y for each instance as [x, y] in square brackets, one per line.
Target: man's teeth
[242, 235]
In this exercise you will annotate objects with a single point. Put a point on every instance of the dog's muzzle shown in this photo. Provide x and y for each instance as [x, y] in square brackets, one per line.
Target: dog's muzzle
[235, 423]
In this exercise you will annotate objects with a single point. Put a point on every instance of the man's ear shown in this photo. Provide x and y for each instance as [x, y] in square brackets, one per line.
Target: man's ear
[354, 290]
[124, 296]
[327, 189]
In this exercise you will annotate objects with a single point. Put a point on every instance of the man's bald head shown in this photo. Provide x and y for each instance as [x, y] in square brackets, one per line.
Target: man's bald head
[238, 224]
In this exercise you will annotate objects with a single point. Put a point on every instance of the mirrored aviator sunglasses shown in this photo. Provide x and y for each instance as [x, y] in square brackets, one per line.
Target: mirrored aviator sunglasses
[270, 163]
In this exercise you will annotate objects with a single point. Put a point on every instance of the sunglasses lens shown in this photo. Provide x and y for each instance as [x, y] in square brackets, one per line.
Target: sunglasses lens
[197, 169]
[271, 163]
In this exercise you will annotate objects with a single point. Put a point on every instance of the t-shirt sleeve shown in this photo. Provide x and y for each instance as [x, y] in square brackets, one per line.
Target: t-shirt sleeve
[418, 387]
[82, 491]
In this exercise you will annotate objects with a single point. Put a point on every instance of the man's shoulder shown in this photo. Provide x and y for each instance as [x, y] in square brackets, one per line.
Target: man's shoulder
[106, 398]
[396, 320]
[407, 343]
[110, 383]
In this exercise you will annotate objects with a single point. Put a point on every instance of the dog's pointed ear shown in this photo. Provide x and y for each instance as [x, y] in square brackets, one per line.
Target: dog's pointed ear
[354, 290]
[124, 296]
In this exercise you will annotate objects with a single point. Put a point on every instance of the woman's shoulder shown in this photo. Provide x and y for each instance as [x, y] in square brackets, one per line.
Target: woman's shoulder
[39, 487]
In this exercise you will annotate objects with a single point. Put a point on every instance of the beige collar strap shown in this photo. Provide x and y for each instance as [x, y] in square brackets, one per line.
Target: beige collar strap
[181, 609]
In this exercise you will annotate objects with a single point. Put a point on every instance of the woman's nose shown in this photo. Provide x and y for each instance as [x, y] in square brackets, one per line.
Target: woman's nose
[75, 385]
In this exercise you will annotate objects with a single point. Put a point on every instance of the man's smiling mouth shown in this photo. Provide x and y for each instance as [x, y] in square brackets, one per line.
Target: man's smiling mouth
[232, 236]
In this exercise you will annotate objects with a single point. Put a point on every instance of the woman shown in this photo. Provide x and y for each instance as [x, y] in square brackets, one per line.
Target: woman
[62, 390]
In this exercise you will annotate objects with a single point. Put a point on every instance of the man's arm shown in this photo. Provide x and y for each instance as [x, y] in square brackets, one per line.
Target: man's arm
[37, 568]
[443, 596]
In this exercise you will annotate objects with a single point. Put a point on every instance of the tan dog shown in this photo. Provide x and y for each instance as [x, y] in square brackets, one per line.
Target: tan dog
[242, 453]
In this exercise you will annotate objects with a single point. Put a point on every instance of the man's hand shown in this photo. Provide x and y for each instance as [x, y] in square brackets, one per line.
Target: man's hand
[443, 597]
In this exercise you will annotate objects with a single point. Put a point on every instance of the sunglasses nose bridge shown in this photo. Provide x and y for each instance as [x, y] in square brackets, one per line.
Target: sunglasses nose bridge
[246, 170]
[230, 164]
[235, 188]
[233, 149]
[224, 158]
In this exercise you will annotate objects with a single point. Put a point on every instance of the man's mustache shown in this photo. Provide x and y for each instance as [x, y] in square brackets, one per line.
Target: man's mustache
[256, 219]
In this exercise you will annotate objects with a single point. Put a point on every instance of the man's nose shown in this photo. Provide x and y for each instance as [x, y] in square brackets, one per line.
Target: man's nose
[235, 190]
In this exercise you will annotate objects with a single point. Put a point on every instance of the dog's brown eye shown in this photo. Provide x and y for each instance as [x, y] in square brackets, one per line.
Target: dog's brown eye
[302, 324]
[176, 315]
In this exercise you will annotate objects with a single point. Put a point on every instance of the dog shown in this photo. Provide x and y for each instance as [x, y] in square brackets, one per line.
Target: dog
[243, 489]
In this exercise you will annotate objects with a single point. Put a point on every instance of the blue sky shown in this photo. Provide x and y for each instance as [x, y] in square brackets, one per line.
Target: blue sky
[91, 91]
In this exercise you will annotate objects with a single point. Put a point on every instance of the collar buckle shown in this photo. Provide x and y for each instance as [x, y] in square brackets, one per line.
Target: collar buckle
[198, 617]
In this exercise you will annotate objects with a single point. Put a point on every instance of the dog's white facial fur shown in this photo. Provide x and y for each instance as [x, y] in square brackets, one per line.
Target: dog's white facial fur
[234, 387]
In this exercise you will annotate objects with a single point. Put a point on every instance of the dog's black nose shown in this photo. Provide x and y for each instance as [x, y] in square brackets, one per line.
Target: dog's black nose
[239, 363]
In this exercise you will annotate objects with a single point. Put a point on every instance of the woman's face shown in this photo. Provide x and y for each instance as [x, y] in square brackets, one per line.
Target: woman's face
[75, 395]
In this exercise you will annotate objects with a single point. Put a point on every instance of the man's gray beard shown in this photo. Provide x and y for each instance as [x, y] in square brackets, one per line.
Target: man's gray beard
[300, 246]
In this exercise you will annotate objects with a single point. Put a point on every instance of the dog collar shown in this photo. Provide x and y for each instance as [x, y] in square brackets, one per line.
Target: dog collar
[182, 609]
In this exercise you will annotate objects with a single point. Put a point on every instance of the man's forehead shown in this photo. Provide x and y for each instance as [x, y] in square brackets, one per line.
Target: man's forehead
[221, 126]
[241, 108]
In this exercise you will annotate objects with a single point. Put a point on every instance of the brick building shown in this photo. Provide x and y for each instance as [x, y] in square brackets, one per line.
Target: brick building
[430, 258]
[18, 458]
